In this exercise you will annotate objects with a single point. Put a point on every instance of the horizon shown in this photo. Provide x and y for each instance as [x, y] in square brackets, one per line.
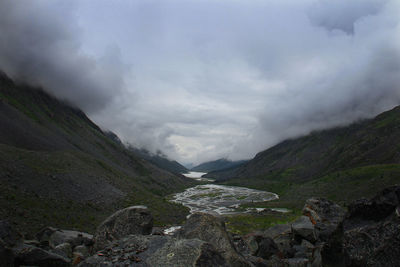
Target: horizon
[205, 80]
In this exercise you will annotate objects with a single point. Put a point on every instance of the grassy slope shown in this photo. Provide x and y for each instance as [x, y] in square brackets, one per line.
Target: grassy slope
[58, 168]
[340, 164]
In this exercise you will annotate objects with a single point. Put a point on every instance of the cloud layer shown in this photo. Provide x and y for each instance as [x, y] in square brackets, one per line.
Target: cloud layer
[201, 80]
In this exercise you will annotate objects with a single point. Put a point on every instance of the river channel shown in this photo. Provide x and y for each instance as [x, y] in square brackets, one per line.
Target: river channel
[219, 199]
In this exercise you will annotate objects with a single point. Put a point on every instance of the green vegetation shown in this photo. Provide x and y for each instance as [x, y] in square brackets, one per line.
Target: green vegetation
[341, 186]
[248, 223]
[57, 168]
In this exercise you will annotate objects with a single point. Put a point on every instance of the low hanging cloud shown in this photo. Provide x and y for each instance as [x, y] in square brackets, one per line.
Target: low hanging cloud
[40, 44]
[200, 80]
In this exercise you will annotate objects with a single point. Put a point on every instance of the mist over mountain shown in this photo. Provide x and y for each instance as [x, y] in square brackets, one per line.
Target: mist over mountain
[201, 80]
[160, 160]
[217, 165]
[58, 167]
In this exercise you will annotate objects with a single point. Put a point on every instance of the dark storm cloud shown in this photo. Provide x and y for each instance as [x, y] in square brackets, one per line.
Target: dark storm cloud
[209, 79]
[40, 45]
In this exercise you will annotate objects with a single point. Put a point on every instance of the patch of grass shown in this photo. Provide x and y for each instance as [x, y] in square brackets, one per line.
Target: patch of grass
[248, 223]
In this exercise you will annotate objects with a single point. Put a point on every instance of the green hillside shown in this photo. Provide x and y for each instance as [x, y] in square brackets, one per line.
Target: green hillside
[342, 164]
[160, 160]
[57, 164]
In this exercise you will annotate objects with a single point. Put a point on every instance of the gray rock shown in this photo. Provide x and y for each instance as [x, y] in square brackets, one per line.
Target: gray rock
[212, 230]
[30, 255]
[316, 259]
[278, 230]
[6, 255]
[300, 251]
[138, 250]
[32, 243]
[296, 262]
[267, 248]
[375, 244]
[365, 211]
[283, 238]
[251, 243]
[82, 249]
[10, 236]
[303, 228]
[327, 218]
[43, 236]
[75, 238]
[260, 262]
[64, 250]
[132, 220]
[77, 258]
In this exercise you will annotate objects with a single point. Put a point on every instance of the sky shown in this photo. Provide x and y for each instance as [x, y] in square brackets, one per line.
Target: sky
[205, 79]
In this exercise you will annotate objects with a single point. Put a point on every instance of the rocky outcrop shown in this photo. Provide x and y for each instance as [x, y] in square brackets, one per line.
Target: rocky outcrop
[367, 235]
[53, 237]
[128, 221]
[31, 255]
[211, 229]
[140, 250]
[372, 232]
[327, 218]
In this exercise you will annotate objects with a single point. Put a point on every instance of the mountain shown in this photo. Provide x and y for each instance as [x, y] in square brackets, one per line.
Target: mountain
[217, 165]
[342, 164]
[160, 160]
[58, 167]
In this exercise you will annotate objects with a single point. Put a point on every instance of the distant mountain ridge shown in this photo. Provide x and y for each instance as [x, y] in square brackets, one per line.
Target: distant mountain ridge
[217, 165]
[160, 160]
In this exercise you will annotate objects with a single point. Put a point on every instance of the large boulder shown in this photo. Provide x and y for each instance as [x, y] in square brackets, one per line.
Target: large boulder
[211, 229]
[256, 244]
[267, 248]
[154, 250]
[364, 211]
[327, 218]
[283, 238]
[372, 236]
[131, 220]
[303, 228]
[34, 256]
[74, 238]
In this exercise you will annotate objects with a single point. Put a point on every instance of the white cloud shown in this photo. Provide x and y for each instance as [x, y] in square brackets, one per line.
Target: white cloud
[208, 79]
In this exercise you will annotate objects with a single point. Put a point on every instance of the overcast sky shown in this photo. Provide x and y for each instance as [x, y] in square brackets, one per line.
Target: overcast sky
[204, 79]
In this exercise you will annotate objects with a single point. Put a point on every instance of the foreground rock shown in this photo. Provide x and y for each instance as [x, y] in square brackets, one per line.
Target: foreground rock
[327, 218]
[30, 255]
[372, 230]
[53, 237]
[140, 250]
[368, 235]
[212, 230]
[132, 220]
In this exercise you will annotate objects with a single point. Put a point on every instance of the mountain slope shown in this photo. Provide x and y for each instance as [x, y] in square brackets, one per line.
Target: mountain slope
[367, 147]
[58, 164]
[217, 165]
[160, 161]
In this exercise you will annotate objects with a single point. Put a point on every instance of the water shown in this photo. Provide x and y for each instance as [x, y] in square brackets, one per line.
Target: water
[197, 176]
[220, 199]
